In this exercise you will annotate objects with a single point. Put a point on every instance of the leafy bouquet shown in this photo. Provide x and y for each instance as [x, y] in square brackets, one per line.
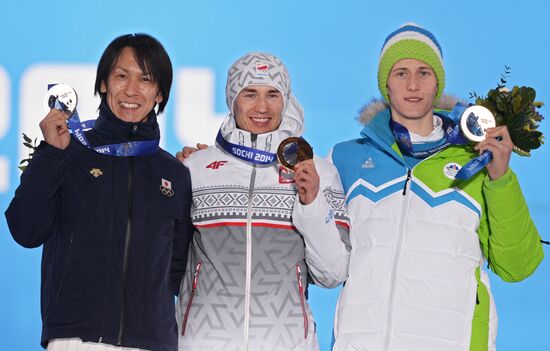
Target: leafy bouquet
[31, 144]
[516, 109]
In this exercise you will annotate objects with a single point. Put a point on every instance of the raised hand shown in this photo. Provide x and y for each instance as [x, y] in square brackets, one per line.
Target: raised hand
[307, 181]
[497, 141]
[54, 129]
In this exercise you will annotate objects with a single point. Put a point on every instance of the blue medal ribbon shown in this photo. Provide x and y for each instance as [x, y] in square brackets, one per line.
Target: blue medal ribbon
[474, 166]
[246, 153]
[453, 136]
[130, 148]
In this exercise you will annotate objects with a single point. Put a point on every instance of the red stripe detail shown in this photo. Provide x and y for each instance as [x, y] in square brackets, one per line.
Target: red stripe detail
[302, 302]
[193, 290]
[243, 224]
[343, 224]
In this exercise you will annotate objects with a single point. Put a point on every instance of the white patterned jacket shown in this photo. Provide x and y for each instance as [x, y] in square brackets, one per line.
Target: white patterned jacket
[254, 248]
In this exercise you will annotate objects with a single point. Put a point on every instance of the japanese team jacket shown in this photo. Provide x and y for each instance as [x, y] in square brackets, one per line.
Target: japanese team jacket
[419, 239]
[254, 249]
[115, 233]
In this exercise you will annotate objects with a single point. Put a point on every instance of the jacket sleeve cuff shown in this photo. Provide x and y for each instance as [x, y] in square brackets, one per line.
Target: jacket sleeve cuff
[316, 207]
[504, 192]
[501, 182]
[47, 149]
[49, 153]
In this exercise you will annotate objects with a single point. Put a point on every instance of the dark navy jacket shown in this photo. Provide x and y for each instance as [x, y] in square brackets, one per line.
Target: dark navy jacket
[115, 233]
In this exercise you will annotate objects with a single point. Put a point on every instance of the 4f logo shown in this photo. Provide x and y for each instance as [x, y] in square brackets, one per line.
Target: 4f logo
[216, 164]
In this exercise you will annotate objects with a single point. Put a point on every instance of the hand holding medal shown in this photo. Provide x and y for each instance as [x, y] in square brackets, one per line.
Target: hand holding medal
[478, 125]
[515, 114]
[60, 104]
[296, 155]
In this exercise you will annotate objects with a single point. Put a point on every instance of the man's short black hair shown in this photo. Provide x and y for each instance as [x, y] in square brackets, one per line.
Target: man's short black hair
[150, 56]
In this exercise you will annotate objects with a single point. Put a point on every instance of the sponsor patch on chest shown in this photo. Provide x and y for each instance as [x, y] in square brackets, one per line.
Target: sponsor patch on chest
[96, 172]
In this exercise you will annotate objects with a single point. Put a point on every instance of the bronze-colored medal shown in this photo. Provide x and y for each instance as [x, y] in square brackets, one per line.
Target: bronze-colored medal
[293, 150]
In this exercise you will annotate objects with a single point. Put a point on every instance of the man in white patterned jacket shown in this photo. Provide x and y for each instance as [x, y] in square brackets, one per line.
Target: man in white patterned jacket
[261, 232]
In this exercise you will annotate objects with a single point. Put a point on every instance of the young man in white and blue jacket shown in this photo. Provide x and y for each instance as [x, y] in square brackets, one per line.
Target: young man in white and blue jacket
[419, 236]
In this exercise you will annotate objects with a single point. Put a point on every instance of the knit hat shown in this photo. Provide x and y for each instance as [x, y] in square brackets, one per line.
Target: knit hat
[256, 68]
[261, 68]
[414, 42]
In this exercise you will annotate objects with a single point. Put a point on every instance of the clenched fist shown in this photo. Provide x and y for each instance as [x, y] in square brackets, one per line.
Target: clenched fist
[54, 129]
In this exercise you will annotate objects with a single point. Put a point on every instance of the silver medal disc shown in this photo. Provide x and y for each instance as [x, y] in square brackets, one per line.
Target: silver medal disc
[64, 94]
[474, 122]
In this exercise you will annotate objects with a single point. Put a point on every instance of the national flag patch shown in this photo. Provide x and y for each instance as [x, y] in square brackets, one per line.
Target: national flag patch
[166, 183]
[166, 187]
[286, 176]
[262, 68]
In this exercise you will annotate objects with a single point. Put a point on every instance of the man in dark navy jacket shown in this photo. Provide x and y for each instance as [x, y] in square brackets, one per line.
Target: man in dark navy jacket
[111, 210]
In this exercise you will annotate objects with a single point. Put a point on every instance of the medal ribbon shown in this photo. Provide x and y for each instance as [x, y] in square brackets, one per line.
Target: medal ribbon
[474, 166]
[452, 136]
[245, 153]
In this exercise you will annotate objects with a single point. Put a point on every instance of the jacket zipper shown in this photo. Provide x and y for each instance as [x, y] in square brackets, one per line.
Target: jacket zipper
[127, 243]
[248, 267]
[407, 182]
[193, 290]
[395, 262]
[302, 302]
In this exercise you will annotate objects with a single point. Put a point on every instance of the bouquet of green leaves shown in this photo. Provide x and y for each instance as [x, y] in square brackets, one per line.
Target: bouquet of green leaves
[31, 144]
[516, 109]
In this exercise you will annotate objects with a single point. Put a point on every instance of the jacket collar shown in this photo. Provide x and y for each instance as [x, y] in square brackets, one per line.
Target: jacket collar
[292, 125]
[375, 116]
[109, 127]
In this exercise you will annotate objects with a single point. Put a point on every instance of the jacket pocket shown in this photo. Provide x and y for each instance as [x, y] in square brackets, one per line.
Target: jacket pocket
[66, 266]
[480, 338]
[302, 298]
[193, 291]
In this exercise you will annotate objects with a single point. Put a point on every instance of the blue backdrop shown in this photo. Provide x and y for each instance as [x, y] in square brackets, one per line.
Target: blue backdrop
[331, 49]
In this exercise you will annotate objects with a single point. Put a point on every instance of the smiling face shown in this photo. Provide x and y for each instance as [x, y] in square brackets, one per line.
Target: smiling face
[130, 93]
[258, 109]
[412, 87]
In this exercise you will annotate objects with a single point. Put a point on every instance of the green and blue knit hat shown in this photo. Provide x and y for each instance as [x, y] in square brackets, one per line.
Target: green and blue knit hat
[414, 42]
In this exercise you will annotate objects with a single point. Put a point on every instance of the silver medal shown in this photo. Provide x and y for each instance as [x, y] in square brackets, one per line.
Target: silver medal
[64, 94]
[474, 123]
